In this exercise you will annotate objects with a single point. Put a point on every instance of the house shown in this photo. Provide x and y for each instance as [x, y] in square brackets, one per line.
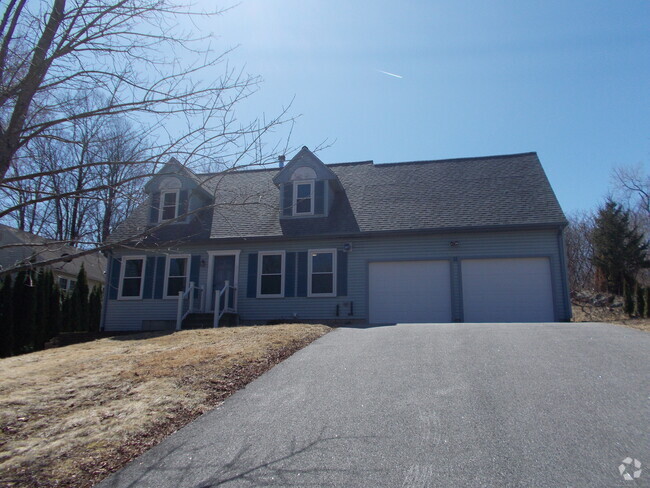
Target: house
[459, 240]
[19, 247]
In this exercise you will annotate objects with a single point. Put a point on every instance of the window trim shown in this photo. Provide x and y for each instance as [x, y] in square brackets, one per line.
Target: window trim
[63, 288]
[124, 259]
[309, 272]
[187, 257]
[161, 208]
[260, 257]
[311, 197]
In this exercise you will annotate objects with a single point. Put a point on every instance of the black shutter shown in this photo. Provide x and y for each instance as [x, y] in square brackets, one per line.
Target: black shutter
[155, 207]
[319, 197]
[290, 275]
[149, 271]
[287, 199]
[159, 282]
[301, 286]
[115, 278]
[341, 274]
[251, 285]
[194, 269]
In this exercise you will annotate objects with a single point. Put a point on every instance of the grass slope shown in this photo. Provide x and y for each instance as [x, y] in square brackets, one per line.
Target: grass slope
[70, 416]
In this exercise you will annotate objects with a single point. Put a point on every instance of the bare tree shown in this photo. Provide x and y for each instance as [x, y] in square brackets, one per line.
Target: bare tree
[55, 53]
[120, 143]
[83, 216]
[632, 187]
[68, 66]
[580, 251]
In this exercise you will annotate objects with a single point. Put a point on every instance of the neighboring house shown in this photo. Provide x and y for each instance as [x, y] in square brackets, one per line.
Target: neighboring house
[20, 247]
[460, 240]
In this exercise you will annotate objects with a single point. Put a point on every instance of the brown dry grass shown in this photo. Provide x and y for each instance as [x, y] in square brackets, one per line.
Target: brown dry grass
[612, 315]
[70, 416]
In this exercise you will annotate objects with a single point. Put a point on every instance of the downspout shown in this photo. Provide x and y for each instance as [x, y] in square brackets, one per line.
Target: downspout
[109, 270]
[565, 284]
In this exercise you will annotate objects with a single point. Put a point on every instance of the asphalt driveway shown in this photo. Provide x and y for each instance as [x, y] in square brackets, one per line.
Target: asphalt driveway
[427, 405]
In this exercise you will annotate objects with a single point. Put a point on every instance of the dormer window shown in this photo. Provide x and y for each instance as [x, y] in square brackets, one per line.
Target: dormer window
[307, 187]
[303, 198]
[169, 205]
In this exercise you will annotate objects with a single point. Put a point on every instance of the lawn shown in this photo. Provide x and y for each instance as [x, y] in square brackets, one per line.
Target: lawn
[71, 416]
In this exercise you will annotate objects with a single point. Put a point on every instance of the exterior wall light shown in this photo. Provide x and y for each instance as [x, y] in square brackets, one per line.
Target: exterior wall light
[347, 247]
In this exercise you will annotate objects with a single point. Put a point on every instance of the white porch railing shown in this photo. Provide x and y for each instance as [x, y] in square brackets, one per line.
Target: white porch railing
[225, 301]
[189, 301]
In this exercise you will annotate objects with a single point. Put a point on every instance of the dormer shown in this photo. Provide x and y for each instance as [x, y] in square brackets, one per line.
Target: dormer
[174, 191]
[307, 187]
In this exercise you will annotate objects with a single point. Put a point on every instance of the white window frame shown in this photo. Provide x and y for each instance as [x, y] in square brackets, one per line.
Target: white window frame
[123, 269]
[260, 257]
[188, 257]
[309, 273]
[295, 197]
[162, 204]
[66, 280]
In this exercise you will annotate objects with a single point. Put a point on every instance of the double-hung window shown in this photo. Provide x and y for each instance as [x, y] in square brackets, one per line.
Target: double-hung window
[131, 279]
[67, 284]
[270, 277]
[303, 203]
[168, 205]
[177, 275]
[322, 273]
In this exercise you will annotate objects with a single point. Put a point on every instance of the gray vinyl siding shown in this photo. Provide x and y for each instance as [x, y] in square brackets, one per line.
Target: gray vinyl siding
[125, 315]
[128, 315]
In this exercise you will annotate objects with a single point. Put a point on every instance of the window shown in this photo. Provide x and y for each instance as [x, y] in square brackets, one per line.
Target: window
[67, 284]
[322, 273]
[168, 205]
[270, 278]
[176, 276]
[131, 278]
[303, 198]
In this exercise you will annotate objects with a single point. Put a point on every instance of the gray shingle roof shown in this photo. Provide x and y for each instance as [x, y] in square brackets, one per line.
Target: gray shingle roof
[494, 191]
[455, 194]
[33, 248]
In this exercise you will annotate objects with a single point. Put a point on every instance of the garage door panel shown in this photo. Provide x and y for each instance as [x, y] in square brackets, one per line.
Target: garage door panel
[507, 290]
[410, 292]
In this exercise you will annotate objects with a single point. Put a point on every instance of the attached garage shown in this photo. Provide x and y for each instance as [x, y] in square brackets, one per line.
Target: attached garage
[507, 290]
[409, 292]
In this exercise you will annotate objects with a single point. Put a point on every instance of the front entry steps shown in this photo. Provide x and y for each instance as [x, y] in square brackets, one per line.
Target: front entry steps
[206, 321]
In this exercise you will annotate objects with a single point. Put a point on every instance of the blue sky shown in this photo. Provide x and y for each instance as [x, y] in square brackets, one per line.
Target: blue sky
[570, 80]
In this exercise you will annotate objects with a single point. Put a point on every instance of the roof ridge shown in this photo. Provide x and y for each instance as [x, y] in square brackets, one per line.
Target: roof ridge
[448, 160]
[352, 163]
[246, 170]
[370, 161]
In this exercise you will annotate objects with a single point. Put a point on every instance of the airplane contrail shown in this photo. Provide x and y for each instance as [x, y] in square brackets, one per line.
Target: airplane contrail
[390, 74]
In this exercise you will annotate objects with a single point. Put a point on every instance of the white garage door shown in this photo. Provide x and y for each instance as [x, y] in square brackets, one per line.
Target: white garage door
[410, 292]
[507, 290]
